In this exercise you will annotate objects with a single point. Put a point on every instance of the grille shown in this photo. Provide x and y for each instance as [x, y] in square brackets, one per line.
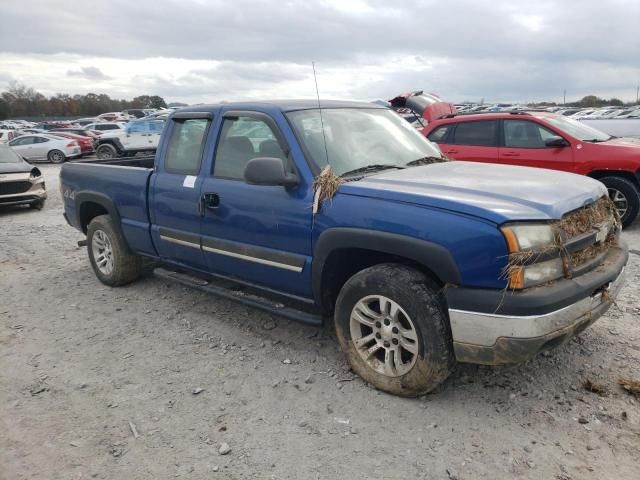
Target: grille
[11, 188]
[586, 235]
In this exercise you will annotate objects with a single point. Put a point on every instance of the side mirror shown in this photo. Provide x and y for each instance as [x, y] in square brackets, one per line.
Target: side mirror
[268, 171]
[556, 141]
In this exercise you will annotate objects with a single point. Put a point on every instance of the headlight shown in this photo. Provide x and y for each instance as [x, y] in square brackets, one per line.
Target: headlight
[35, 173]
[534, 255]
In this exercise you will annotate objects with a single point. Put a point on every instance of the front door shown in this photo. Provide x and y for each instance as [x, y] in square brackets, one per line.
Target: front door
[175, 191]
[23, 146]
[260, 234]
[524, 144]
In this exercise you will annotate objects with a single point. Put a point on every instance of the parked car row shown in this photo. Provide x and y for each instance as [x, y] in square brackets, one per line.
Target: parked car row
[545, 140]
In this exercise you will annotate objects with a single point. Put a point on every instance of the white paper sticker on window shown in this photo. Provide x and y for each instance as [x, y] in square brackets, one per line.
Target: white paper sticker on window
[189, 181]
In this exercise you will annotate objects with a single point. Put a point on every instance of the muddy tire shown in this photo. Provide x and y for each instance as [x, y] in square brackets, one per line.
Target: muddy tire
[392, 325]
[625, 196]
[106, 152]
[108, 254]
[56, 156]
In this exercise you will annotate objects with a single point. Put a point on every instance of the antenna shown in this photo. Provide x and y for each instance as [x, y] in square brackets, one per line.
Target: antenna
[324, 138]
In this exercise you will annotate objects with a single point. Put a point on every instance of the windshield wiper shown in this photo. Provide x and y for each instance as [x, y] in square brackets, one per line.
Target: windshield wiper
[426, 161]
[370, 168]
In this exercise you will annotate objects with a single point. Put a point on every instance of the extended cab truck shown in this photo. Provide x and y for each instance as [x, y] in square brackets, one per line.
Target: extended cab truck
[413, 257]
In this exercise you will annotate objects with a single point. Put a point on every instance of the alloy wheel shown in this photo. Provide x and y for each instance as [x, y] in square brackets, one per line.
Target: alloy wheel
[619, 200]
[102, 252]
[384, 335]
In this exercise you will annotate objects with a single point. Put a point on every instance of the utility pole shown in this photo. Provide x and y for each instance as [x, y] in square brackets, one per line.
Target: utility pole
[564, 97]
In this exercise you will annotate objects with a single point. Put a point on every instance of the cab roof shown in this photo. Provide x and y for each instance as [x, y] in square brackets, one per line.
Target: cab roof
[282, 105]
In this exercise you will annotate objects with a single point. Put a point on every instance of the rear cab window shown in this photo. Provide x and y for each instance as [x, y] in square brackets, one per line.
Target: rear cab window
[186, 144]
[480, 133]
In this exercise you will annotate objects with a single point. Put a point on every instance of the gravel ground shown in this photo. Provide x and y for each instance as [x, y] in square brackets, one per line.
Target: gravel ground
[150, 380]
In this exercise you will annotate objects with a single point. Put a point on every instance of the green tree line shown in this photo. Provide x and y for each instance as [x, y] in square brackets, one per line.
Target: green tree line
[21, 101]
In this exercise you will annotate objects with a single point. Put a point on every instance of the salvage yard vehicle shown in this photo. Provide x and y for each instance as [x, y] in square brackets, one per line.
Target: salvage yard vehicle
[139, 136]
[546, 140]
[20, 183]
[349, 212]
[45, 147]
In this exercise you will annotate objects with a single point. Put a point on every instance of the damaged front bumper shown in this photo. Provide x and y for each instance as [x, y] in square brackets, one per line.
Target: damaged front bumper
[529, 322]
[21, 189]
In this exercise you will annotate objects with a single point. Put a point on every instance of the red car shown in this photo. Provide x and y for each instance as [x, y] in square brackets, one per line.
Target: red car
[86, 143]
[545, 140]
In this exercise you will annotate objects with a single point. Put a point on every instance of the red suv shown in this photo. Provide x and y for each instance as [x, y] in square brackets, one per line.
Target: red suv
[545, 140]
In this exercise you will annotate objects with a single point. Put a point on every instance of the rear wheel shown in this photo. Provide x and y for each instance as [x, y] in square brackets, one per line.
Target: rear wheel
[391, 324]
[625, 196]
[106, 152]
[56, 156]
[108, 255]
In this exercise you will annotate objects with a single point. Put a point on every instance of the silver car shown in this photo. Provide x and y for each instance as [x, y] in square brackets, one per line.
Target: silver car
[20, 183]
[45, 147]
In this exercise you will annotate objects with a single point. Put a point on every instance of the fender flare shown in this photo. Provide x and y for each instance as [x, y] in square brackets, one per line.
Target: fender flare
[431, 255]
[105, 202]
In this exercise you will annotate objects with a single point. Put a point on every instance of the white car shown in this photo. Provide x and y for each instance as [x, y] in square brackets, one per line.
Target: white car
[105, 126]
[6, 135]
[45, 147]
[138, 136]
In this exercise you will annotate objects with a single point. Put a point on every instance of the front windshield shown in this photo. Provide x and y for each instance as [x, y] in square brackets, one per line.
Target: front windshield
[7, 155]
[359, 137]
[577, 129]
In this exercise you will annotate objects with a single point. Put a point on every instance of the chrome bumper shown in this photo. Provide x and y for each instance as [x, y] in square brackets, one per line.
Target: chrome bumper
[498, 339]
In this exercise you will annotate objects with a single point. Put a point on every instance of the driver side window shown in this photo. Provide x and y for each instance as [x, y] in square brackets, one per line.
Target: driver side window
[525, 134]
[242, 139]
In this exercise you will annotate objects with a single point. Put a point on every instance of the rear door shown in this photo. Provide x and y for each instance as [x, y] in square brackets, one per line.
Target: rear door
[261, 234]
[474, 140]
[524, 145]
[174, 198]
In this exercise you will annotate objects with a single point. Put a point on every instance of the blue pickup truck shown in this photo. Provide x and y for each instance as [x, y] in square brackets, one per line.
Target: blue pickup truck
[419, 261]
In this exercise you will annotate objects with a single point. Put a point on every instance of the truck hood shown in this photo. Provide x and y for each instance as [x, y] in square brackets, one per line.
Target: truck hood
[498, 193]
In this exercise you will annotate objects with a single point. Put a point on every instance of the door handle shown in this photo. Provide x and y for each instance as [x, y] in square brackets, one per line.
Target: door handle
[511, 154]
[210, 200]
[451, 151]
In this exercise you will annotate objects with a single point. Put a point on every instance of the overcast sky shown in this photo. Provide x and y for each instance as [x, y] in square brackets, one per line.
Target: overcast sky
[206, 50]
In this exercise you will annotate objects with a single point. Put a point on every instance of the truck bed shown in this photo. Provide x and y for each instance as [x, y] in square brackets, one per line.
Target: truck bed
[122, 183]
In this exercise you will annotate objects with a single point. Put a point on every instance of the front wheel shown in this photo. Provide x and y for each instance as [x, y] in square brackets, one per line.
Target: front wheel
[56, 156]
[625, 196]
[391, 323]
[106, 152]
[108, 255]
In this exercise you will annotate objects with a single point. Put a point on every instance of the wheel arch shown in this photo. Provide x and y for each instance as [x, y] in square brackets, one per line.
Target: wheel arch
[114, 142]
[342, 252]
[92, 204]
[627, 175]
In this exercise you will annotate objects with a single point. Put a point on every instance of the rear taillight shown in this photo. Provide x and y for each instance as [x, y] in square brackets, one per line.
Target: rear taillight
[72, 144]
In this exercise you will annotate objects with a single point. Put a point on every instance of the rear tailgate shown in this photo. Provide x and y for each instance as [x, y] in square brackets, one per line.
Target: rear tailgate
[120, 190]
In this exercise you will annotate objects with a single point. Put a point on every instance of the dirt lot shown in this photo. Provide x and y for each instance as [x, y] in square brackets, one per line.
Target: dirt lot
[103, 383]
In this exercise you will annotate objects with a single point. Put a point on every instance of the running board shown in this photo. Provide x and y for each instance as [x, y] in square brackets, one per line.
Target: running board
[235, 292]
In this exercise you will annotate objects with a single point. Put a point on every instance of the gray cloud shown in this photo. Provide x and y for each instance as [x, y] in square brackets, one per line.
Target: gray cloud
[90, 73]
[492, 49]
